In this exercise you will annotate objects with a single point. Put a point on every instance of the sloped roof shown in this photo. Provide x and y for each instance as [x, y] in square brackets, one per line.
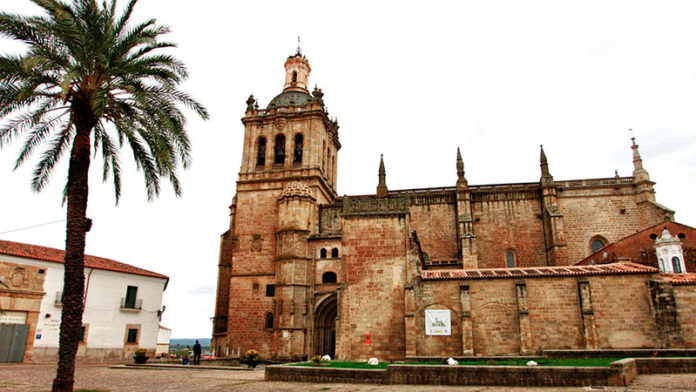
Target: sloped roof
[56, 256]
[640, 247]
[538, 272]
[679, 279]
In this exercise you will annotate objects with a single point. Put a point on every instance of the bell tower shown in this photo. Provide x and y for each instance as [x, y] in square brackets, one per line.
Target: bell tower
[293, 136]
[288, 169]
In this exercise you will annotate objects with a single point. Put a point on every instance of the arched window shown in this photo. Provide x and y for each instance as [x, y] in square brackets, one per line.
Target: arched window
[334, 253]
[510, 258]
[279, 149]
[299, 145]
[294, 76]
[322, 253]
[328, 277]
[676, 265]
[268, 320]
[323, 156]
[261, 151]
[597, 243]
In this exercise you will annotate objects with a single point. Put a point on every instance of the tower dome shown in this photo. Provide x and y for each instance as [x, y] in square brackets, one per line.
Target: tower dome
[291, 98]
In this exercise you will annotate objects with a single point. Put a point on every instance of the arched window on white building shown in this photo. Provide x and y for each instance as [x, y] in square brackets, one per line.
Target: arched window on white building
[669, 253]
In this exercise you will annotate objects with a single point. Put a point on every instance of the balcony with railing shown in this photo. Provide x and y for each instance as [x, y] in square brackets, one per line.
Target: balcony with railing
[131, 304]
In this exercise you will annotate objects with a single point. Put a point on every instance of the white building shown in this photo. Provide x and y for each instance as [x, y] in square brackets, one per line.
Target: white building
[670, 255]
[123, 305]
[163, 337]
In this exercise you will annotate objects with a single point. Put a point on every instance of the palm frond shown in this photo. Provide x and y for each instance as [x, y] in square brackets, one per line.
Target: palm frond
[56, 148]
[40, 128]
[109, 152]
[81, 53]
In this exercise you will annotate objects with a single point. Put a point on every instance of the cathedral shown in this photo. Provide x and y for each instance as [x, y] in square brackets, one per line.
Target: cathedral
[459, 270]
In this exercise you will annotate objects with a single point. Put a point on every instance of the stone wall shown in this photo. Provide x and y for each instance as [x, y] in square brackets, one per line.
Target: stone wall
[372, 301]
[247, 312]
[255, 228]
[554, 313]
[665, 365]
[620, 373]
[529, 315]
[444, 295]
[268, 249]
[329, 218]
[622, 312]
[252, 269]
[685, 297]
[509, 225]
[437, 230]
[509, 218]
[611, 213]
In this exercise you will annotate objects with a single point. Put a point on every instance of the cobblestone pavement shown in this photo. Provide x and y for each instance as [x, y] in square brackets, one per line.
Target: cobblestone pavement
[37, 378]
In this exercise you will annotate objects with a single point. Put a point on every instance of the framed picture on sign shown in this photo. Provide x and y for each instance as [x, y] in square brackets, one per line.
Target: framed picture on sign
[438, 322]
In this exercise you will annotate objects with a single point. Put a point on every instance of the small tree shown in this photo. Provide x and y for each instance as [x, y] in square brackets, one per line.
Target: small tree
[89, 80]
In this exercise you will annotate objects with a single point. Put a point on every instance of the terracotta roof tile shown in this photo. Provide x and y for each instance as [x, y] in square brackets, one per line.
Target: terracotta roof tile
[679, 279]
[56, 255]
[502, 273]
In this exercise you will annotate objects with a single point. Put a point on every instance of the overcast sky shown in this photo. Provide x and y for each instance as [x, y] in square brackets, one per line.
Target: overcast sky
[410, 81]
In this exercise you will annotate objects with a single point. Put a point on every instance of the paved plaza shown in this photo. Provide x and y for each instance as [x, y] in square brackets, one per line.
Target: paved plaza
[37, 378]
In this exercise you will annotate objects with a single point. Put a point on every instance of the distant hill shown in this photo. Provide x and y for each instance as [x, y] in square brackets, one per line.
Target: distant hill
[205, 342]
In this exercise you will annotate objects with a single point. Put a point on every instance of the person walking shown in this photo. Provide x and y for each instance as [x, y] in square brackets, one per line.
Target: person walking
[197, 353]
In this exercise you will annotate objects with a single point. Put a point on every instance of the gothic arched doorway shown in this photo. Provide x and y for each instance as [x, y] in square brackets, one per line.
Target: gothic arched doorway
[325, 327]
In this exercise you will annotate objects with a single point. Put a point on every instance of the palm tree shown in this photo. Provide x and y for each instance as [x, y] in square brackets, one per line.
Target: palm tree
[91, 80]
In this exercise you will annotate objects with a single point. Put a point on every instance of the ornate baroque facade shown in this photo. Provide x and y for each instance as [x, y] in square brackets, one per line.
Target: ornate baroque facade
[303, 271]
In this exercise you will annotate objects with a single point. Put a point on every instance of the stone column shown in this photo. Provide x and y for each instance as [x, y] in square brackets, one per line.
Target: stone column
[523, 318]
[410, 320]
[556, 248]
[587, 314]
[465, 224]
[466, 322]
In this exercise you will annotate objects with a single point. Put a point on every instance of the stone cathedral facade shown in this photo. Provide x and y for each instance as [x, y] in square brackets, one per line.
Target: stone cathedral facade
[303, 271]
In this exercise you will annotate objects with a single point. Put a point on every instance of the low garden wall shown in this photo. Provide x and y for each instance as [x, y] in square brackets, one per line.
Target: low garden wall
[665, 365]
[319, 374]
[620, 373]
[621, 353]
[546, 376]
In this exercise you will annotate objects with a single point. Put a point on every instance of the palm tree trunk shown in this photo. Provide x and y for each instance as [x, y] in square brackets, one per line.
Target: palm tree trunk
[74, 278]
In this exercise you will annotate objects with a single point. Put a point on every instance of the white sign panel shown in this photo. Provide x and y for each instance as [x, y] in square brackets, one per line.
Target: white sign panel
[10, 317]
[438, 322]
